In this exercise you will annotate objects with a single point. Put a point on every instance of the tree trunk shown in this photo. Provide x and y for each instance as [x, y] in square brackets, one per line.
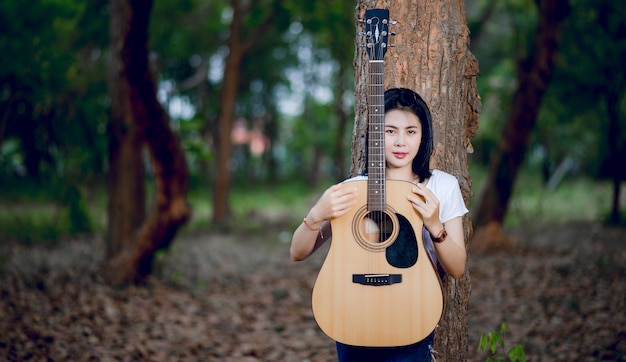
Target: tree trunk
[226, 118]
[615, 151]
[432, 57]
[126, 179]
[170, 210]
[533, 77]
[340, 168]
[238, 49]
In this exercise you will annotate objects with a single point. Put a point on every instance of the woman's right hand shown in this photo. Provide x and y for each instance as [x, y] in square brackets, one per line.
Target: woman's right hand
[334, 202]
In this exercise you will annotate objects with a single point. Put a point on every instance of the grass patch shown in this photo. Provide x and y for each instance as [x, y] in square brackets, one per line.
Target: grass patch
[33, 213]
[575, 199]
[32, 223]
[252, 205]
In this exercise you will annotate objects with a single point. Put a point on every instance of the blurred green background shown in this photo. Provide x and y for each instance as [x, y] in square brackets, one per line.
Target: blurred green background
[54, 108]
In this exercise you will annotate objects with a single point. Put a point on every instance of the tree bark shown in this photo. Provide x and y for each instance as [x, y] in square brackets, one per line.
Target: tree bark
[132, 262]
[534, 73]
[126, 208]
[432, 57]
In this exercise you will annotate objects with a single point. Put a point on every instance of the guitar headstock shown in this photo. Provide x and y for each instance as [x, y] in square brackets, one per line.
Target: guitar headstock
[377, 33]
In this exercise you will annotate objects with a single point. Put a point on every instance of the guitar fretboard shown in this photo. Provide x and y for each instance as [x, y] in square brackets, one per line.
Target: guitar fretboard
[376, 144]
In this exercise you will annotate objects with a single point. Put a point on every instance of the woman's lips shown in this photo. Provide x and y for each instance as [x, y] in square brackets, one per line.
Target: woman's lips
[400, 155]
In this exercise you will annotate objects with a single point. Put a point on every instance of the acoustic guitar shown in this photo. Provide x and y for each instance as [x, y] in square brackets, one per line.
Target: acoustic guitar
[377, 285]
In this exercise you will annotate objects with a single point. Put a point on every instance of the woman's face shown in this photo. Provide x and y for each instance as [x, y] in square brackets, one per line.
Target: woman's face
[403, 136]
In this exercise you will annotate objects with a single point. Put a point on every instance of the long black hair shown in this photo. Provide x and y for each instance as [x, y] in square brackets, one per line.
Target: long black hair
[406, 99]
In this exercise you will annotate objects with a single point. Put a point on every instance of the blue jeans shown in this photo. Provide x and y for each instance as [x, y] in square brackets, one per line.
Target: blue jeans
[418, 352]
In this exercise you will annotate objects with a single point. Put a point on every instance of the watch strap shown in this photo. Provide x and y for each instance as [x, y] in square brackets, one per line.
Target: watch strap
[441, 237]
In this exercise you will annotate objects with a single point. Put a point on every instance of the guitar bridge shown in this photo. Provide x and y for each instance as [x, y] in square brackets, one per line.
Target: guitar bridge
[376, 279]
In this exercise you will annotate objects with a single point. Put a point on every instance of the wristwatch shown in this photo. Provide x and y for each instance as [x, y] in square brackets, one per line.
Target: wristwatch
[443, 234]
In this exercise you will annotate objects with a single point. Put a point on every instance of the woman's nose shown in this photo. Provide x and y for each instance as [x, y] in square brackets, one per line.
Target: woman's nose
[399, 139]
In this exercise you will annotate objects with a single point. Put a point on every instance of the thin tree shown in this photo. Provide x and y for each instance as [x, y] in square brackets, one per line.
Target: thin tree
[139, 119]
[240, 42]
[432, 57]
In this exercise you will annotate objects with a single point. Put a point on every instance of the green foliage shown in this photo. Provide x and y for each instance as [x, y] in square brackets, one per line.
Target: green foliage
[53, 93]
[493, 343]
[588, 79]
[573, 121]
[500, 33]
[54, 101]
[51, 89]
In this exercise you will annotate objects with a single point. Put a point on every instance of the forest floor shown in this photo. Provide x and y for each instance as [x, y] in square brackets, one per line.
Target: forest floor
[237, 297]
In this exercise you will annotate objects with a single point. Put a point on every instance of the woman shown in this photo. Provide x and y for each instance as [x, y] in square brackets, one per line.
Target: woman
[436, 197]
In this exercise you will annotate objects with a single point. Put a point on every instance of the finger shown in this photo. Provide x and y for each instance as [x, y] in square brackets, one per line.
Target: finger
[417, 199]
[349, 190]
[419, 206]
[428, 196]
[422, 191]
[346, 194]
[342, 210]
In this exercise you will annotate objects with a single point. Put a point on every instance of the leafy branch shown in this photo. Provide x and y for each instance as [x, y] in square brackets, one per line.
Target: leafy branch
[494, 343]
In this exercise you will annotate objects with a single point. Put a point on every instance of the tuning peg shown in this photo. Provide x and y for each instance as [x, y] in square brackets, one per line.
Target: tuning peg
[393, 22]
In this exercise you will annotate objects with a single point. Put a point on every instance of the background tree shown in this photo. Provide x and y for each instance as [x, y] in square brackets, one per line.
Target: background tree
[432, 57]
[586, 97]
[534, 68]
[131, 258]
[243, 37]
[126, 180]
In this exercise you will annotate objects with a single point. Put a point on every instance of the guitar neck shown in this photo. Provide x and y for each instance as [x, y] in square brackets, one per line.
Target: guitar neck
[376, 144]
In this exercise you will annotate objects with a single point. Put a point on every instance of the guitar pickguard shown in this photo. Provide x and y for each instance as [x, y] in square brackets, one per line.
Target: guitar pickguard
[403, 252]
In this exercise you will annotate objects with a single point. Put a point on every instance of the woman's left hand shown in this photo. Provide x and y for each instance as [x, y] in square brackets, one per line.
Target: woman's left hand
[428, 206]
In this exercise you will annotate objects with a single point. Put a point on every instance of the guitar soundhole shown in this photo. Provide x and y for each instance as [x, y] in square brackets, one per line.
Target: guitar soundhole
[377, 226]
[375, 230]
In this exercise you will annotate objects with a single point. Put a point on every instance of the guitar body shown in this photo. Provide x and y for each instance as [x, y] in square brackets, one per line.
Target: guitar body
[377, 286]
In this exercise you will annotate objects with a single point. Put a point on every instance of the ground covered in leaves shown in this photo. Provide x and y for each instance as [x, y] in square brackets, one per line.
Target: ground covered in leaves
[237, 297]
